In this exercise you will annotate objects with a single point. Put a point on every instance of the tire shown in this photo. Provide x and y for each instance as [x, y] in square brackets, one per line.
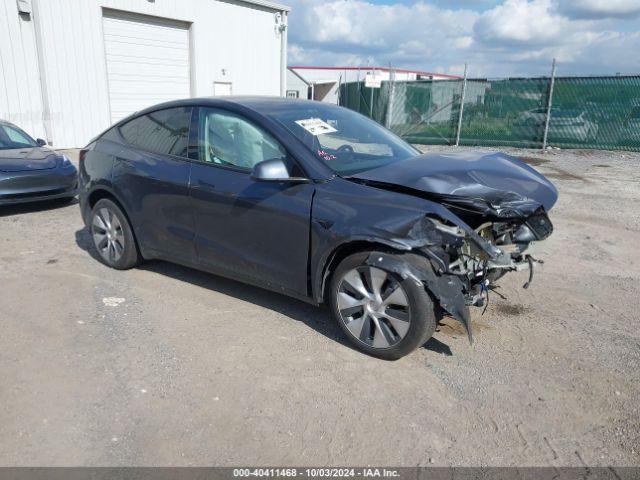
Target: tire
[112, 236]
[375, 324]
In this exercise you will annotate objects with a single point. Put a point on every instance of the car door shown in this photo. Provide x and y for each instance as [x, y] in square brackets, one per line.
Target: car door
[247, 229]
[151, 176]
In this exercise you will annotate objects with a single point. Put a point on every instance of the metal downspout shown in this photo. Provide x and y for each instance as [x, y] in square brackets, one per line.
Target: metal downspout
[283, 54]
[44, 91]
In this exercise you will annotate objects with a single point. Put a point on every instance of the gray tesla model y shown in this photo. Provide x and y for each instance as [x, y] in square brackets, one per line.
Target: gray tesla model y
[30, 171]
[317, 202]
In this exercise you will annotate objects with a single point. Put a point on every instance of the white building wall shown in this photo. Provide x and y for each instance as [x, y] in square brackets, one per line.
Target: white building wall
[230, 41]
[327, 80]
[20, 95]
[325, 75]
[295, 84]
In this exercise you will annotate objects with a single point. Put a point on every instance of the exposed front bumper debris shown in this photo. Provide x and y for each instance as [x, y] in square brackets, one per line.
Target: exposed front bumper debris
[459, 265]
[448, 289]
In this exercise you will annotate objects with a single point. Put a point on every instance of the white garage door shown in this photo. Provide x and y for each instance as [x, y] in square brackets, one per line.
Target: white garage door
[147, 61]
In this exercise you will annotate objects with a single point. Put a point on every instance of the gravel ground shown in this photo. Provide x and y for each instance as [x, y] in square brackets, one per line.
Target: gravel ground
[163, 365]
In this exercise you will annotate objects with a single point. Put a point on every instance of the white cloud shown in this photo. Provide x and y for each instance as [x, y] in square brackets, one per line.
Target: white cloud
[359, 22]
[297, 55]
[521, 21]
[395, 33]
[515, 37]
[531, 32]
[599, 9]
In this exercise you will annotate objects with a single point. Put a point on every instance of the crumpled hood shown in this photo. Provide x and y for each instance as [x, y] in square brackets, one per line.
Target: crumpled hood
[24, 159]
[472, 180]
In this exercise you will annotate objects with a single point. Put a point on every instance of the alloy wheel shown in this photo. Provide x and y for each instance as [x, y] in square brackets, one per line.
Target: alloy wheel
[373, 306]
[108, 236]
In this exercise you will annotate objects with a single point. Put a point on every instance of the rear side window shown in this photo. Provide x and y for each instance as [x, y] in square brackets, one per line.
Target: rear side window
[165, 131]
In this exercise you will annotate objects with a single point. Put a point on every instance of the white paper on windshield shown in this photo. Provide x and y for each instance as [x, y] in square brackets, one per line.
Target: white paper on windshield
[315, 126]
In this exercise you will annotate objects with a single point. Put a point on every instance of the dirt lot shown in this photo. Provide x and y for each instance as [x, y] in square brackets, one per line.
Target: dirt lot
[163, 365]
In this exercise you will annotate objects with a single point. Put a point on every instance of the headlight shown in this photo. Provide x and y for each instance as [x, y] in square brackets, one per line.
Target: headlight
[64, 161]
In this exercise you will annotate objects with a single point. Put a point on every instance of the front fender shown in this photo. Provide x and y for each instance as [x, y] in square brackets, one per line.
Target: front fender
[322, 271]
[446, 288]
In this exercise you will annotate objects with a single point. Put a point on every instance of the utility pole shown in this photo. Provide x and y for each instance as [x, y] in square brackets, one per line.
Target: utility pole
[464, 91]
[549, 104]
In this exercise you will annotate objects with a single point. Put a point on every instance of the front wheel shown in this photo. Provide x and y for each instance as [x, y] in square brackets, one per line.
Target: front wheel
[112, 236]
[380, 313]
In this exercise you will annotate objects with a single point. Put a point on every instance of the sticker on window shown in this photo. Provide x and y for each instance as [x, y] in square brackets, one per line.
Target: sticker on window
[315, 126]
[327, 157]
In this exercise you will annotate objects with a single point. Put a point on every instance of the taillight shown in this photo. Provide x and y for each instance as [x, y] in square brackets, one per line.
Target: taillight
[83, 152]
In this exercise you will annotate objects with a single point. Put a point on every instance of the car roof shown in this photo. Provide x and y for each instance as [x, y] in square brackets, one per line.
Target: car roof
[261, 104]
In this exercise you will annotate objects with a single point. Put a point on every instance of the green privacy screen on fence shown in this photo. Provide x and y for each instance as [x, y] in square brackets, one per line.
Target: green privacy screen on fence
[586, 112]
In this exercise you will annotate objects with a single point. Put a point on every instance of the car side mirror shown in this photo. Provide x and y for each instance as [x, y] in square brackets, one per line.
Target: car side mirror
[274, 170]
[41, 142]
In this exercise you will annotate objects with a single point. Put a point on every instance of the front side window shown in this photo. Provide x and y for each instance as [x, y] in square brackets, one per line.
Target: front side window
[11, 137]
[165, 131]
[345, 140]
[227, 139]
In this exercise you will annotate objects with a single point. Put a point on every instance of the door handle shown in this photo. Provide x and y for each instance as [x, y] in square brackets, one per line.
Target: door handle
[202, 185]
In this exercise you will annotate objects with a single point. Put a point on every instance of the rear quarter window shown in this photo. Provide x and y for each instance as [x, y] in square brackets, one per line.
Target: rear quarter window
[164, 131]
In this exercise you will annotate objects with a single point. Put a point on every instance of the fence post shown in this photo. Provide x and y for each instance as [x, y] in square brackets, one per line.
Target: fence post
[371, 98]
[464, 91]
[392, 91]
[549, 104]
[346, 93]
[359, 89]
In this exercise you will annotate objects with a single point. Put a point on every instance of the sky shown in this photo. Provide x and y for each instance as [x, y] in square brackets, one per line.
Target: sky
[495, 37]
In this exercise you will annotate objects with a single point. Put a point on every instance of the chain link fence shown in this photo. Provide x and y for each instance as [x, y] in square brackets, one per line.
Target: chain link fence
[583, 112]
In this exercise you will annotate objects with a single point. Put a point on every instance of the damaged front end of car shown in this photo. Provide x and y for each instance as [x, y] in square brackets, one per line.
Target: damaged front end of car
[484, 233]
[459, 266]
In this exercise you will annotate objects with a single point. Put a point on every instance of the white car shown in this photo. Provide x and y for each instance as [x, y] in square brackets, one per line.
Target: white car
[563, 124]
[532, 118]
[572, 125]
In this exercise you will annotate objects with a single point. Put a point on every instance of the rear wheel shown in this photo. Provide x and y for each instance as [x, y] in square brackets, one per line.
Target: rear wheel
[112, 236]
[381, 314]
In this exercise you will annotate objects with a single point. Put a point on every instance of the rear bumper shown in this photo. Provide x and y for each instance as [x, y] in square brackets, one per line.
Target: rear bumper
[85, 208]
[569, 132]
[25, 187]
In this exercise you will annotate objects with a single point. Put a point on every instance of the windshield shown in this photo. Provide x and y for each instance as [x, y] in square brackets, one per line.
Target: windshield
[12, 138]
[346, 141]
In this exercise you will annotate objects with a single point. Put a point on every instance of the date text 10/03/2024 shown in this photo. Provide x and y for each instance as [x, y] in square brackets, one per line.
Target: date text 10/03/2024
[316, 472]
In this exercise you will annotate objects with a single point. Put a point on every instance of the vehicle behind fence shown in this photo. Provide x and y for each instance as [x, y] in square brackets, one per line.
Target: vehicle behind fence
[584, 112]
